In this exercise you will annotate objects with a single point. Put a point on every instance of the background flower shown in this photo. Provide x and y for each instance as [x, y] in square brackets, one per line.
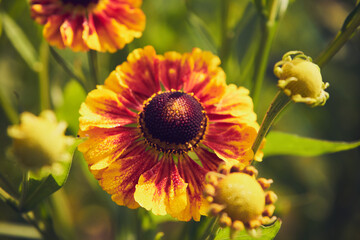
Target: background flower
[159, 124]
[101, 25]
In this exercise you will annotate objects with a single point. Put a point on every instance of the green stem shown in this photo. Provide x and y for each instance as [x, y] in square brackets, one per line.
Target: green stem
[66, 68]
[269, 26]
[210, 231]
[350, 25]
[45, 232]
[93, 66]
[7, 198]
[44, 77]
[280, 101]
[24, 189]
[9, 111]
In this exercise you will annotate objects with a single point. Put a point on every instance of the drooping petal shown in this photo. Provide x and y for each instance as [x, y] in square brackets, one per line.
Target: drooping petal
[52, 32]
[104, 146]
[230, 141]
[106, 25]
[127, 13]
[121, 177]
[194, 176]
[103, 109]
[71, 33]
[161, 189]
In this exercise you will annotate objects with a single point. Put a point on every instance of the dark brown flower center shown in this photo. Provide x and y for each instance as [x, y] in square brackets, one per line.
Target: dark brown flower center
[173, 121]
[84, 3]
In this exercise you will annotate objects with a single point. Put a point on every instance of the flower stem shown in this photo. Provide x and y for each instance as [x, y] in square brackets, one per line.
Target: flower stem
[93, 66]
[269, 26]
[350, 25]
[44, 77]
[210, 231]
[280, 101]
[66, 68]
[7, 198]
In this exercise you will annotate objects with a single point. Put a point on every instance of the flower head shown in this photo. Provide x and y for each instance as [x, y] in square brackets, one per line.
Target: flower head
[101, 25]
[39, 143]
[301, 79]
[239, 199]
[159, 124]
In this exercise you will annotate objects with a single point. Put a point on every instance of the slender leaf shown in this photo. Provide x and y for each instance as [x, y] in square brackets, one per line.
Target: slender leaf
[20, 42]
[263, 233]
[74, 95]
[280, 143]
[40, 187]
[199, 29]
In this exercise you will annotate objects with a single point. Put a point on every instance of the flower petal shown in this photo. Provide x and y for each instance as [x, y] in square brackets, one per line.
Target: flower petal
[124, 93]
[209, 160]
[104, 146]
[230, 141]
[173, 71]
[207, 79]
[194, 175]
[51, 31]
[103, 109]
[120, 178]
[235, 106]
[161, 189]
[138, 73]
[71, 32]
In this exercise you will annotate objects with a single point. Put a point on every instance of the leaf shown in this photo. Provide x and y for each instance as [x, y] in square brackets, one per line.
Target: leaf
[200, 31]
[20, 41]
[40, 187]
[280, 143]
[74, 95]
[263, 233]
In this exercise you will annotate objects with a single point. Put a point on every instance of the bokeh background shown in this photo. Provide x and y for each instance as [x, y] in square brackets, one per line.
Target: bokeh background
[318, 196]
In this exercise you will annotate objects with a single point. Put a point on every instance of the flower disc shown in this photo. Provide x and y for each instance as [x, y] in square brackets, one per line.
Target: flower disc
[173, 121]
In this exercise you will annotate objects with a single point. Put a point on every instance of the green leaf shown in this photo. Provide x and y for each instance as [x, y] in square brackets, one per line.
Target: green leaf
[201, 32]
[20, 41]
[280, 143]
[263, 233]
[40, 187]
[74, 95]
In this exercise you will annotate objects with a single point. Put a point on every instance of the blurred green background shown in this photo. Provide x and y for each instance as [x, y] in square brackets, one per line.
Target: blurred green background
[318, 196]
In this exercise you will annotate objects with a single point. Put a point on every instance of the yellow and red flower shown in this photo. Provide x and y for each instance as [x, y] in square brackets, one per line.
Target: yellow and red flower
[101, 25]
[159, 124]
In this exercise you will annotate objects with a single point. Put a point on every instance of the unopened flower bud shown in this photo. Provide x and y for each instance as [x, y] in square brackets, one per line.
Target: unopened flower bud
[300, 79]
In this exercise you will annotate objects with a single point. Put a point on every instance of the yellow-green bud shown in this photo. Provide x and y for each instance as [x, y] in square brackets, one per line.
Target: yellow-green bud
[242, 195]
[39, 141]
[301, 79]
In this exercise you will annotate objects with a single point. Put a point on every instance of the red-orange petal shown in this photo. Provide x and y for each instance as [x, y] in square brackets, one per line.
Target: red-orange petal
[103, 109]
[230, 141]
[104, 146]
[194, 176]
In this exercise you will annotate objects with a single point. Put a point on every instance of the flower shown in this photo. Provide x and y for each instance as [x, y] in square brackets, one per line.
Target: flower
[39, 143]
[101, 25]
[301, 79]
[239, 199]
[159, 124]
